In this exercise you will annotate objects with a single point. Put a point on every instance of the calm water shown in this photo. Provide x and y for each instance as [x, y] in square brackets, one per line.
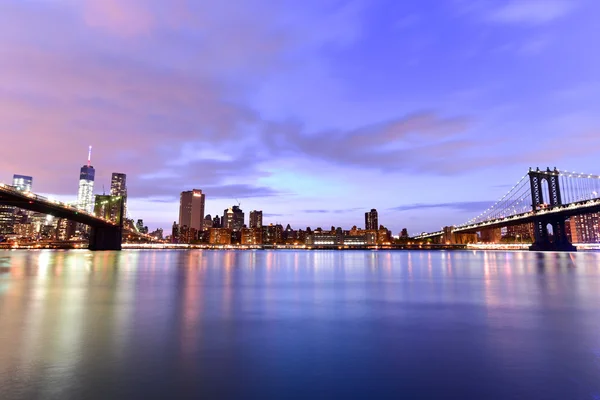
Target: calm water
[287, 324]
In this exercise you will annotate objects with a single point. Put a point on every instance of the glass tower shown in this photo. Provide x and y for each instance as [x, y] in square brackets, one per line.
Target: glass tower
[85, 195]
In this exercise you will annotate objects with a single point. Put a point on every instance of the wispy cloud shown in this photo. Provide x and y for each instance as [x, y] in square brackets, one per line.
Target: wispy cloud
[530, 11]
[469, 206]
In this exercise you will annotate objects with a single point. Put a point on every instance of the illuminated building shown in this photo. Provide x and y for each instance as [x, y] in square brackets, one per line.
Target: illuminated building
[118, 187]
[191, 209]
[251, 236]
[187, 235]
[220, 236]
[272, 234]
[157, 234]
[25, 230]
[65, 229]
[355, 240]
[7, 220]
[256, 219]
[85, 195]
[371, 220]
[233, 218]
[585, 228]
[8, 213]
[139, 225]
[384, 236]
[520, 233]
[22, 182]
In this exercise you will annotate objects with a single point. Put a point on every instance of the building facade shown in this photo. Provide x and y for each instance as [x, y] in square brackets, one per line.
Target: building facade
[256, 219]
[585, 228]
[22, 182]
[233, 218]
[191, 209]
[371, 220]
[85, 194]
[118, 187]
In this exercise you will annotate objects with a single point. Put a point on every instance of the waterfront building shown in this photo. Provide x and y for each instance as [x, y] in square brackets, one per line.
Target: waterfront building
[233, 218]
[256, 219]
[85, 194]
[585, 228]
[371, 220]
[251, 236]
[384, 236]
[355, 240]
[220, 236]
[187, 234]
[404, 234]
[272, 234]
[191, 209]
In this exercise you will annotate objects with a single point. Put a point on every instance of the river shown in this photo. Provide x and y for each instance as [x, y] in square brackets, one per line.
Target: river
[299, 324]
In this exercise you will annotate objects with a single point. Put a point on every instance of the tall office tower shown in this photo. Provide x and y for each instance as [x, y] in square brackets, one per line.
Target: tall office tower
[256, 220]
[371, 220]
[22, 182]
[217, 222]
[118, 187]
[191, 209]
[233, 218]
[85, 195]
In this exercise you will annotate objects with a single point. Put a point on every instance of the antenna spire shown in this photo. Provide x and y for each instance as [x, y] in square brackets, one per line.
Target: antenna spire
[89, 156]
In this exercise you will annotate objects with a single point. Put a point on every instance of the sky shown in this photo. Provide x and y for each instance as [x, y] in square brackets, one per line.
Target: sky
[313, 111]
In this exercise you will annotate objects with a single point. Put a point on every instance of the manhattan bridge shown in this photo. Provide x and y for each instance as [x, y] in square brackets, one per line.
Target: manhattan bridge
[542, 198]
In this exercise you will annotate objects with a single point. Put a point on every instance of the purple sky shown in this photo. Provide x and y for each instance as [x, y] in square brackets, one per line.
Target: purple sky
[313, 111]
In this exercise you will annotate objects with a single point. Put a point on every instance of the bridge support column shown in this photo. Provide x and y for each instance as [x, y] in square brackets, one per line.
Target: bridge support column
[560, 240]
[105, 238]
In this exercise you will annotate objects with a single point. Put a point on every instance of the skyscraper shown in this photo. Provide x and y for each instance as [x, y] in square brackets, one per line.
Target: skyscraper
[371, 220]
[256, 220]
[233, 218]
[191, 209]
[22, 182]
[118, 187]
[85, 195]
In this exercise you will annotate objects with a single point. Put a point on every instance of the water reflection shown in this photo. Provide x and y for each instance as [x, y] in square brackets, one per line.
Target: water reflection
[73, 324]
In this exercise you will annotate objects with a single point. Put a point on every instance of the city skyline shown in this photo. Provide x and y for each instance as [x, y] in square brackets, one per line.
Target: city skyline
[314, 121]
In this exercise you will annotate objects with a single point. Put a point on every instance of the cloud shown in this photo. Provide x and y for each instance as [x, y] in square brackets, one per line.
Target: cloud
[406, 143]
[468, 206]
[532, 12]
[332, 211]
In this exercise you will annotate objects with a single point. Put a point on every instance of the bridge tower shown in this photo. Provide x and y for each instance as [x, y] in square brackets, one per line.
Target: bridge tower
[542, 241]
[108, 238]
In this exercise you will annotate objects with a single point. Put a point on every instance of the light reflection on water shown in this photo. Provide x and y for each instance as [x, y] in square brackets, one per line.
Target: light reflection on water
[159, 324]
